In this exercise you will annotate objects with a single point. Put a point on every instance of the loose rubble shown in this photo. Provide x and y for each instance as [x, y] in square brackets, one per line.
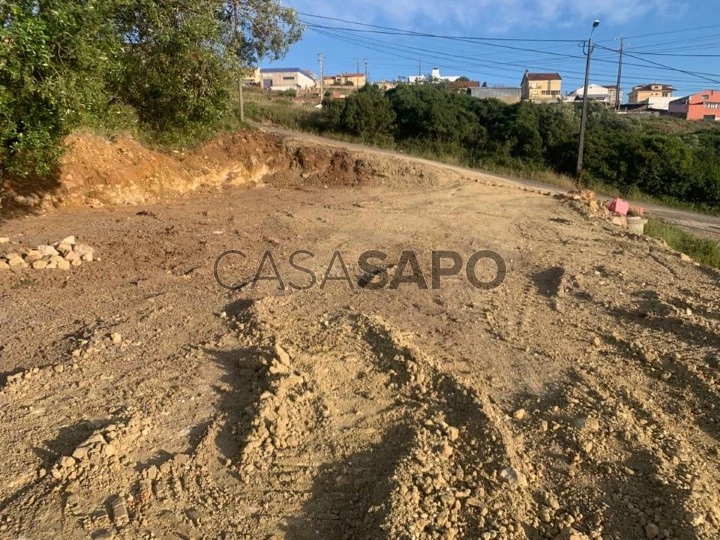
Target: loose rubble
[62, 255]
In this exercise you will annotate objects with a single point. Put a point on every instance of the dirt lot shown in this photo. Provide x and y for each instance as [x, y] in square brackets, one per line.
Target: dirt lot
[140, 399]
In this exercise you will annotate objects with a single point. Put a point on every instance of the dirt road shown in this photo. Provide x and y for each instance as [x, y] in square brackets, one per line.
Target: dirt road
[704, 224]
[140, 399]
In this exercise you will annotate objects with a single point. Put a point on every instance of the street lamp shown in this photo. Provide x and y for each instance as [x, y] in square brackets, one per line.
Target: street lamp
[583, 119]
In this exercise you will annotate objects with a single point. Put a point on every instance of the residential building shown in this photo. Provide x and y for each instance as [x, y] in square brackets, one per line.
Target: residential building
[646, 91]
[704, 105]
[433, 77]
[280, 79]
[436, 77]
[613, 93]
[357, 80]
[252, 76]
[541, 87]
[595, 93]
[387, 85]
[507, 94]
[463, 84]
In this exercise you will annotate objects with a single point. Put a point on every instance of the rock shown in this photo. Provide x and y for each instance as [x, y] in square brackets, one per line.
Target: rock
[4, 240]
[590, 423]
[84, 249]
[70, 241]
[67, 462]
[51, 265]
[32, 256]
[39, 265]
[519, 414]
[652, 530]
[282, 354]
[63, 265]
[4, 265]
[453, 433]
[76, 263]
[16, 261]
[569, 533]
[88, 257]
[513, 477]
[119, 512]
[116, 338]
[47, 251]
[72, 256]
[685, 258]
[80, 453]
[64, 249]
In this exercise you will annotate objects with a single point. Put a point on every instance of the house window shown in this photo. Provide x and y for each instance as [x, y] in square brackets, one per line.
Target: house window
[705, 97]
[289, 78]
[709, 117]
[712, 105]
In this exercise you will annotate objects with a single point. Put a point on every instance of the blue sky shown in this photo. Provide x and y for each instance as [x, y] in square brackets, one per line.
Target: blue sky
[667, 32]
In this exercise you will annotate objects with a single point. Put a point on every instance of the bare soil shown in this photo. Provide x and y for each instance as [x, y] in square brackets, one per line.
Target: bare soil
[140, 399]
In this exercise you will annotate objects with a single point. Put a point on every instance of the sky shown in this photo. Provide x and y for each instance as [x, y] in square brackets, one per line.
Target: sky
[674, 42]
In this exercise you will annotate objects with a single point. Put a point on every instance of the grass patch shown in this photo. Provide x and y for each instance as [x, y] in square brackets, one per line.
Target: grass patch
[703, 250]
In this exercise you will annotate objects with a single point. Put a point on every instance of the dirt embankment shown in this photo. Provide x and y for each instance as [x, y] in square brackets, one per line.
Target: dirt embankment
[97, 172]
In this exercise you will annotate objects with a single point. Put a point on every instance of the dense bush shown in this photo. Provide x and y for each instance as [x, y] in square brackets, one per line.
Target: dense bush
[168, 65]
[623, 152]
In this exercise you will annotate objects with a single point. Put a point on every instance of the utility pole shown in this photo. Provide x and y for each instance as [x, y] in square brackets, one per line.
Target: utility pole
[419, 70]
[366, 71]
[357, 73]
[321, 59]
[618, 95]
[583, 118]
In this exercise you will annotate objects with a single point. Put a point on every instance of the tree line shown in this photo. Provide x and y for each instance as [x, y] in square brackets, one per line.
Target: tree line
[627, 153]
[167, 67]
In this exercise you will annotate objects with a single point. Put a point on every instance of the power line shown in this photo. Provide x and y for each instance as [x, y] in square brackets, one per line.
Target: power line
[422, 34]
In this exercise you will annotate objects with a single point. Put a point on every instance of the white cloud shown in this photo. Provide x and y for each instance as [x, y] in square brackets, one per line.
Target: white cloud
[488, 16]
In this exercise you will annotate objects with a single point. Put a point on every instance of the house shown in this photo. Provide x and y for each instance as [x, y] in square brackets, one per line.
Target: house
[507, 94]
[387, 85]
[433, 77]
[357, 80]
[541, 87]
[252, 77]
[704, 105]
[613, 93]
[595, 93]
[646, 91]
[280, 79]
[463, 84]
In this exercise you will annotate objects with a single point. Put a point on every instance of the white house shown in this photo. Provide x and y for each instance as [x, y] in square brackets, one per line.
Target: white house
[286, 79]
[595, 93]
[434, 77]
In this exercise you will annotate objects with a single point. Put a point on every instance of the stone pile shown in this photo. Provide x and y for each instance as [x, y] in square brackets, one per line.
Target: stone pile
[62, 255]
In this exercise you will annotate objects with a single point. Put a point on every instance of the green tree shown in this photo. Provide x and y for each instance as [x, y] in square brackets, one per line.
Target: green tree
[367, 113]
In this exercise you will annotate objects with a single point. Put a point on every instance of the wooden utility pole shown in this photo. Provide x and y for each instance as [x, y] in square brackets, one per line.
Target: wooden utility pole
[366, 71]
[618, 95]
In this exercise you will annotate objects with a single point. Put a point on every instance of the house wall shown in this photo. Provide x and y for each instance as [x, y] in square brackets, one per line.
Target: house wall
[640, 95]
[700, 108]
[286, 80]
[540, 91]
[358, 80]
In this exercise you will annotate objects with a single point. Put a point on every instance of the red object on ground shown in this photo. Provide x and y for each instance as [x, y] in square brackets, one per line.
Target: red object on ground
[619, 206]
[639, 210]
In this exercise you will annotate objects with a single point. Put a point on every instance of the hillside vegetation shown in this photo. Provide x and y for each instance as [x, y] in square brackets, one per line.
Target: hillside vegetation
[165, 70]
[670, 160]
